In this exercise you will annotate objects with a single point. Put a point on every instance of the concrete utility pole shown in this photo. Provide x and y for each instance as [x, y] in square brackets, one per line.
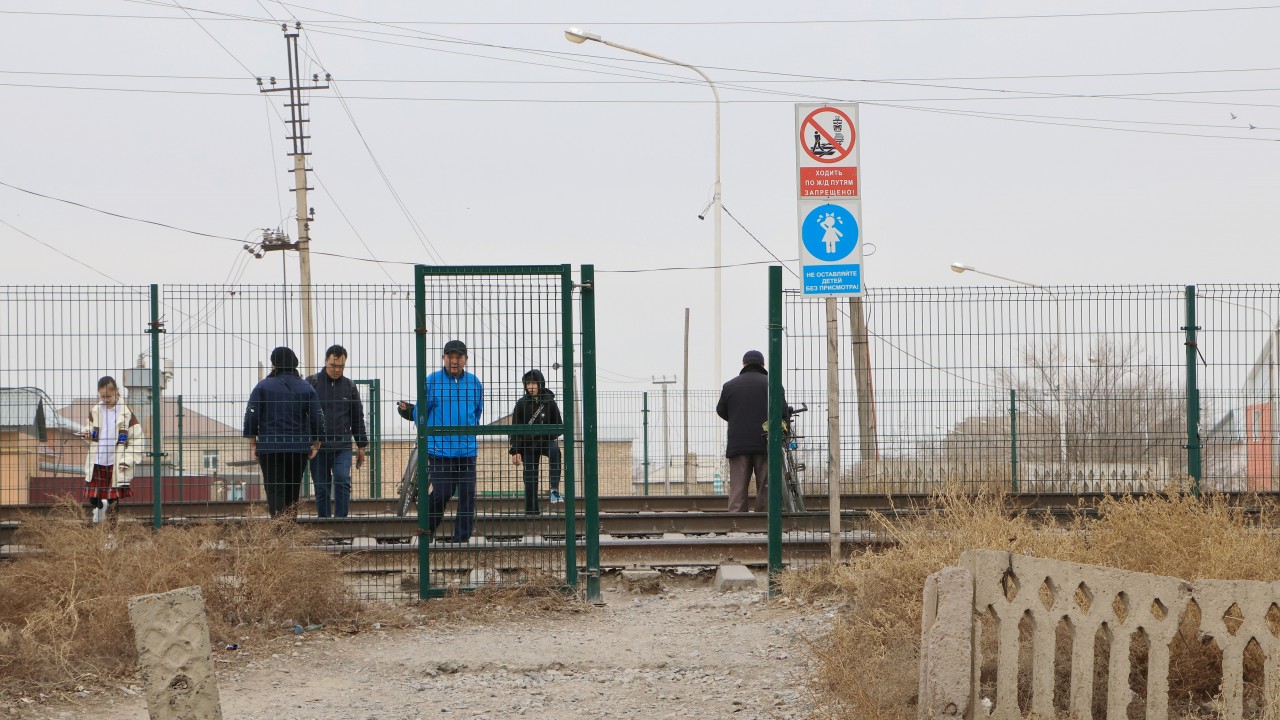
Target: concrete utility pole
[833, 426]
[299, 137]
[868, 439]
[688, 461]
[666, 432]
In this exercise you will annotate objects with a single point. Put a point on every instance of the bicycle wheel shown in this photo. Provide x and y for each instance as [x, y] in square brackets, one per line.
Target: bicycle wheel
[791, 499]
[409, 484]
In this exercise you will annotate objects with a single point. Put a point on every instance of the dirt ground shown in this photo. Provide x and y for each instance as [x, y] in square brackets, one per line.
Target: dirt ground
[689, 652]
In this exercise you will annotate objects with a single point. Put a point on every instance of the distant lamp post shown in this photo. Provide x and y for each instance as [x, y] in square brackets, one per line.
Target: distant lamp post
[579, 36]
[959, 267]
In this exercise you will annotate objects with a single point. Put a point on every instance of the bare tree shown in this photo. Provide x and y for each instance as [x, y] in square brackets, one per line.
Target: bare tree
[1119, 409]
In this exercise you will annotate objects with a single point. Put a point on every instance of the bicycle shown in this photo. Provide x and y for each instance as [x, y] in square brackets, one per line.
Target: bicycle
[409, 484]
[792, 495]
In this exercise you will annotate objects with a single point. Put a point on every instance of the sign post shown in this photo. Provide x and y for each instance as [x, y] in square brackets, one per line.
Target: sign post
[830, 200]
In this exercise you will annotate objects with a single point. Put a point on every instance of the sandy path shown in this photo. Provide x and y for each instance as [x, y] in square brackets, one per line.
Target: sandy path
[688, 653]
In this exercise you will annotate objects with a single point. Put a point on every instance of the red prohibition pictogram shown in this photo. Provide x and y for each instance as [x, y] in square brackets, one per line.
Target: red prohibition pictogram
[821, 144]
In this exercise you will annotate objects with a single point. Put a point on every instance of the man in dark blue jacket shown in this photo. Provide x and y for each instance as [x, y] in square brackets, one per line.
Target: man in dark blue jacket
[343, 422]
[453, 397]
[744, 402]
[283, 423]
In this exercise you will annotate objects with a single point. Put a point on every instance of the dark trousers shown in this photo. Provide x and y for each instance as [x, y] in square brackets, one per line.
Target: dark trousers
[531, 459]
[741, 468]
[332, 466]
[447, 477]
[281, 480]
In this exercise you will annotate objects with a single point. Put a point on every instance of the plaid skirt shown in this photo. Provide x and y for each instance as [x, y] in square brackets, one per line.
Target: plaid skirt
[100, 485]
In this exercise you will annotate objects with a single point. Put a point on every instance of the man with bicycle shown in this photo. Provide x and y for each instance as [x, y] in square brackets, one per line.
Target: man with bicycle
[453, 397]
[744, 403]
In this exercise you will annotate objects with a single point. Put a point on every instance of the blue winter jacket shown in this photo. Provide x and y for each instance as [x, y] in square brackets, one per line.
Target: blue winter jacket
[452, 401]
[284, 415]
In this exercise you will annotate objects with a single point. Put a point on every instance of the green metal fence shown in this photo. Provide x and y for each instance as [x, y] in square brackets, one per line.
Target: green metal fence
[1029, 390]
[186, 358]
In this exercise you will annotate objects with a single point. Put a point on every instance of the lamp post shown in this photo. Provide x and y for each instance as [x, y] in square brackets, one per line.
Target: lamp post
[579, 36]
[959, 267]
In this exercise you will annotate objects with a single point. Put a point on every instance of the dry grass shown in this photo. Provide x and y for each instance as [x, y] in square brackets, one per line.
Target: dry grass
[63, 608]
[865, 668]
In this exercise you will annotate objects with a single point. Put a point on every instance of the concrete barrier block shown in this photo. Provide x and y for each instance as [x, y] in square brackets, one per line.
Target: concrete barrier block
[734, 577]
[946, 646]
[642, 582]
[171, 633]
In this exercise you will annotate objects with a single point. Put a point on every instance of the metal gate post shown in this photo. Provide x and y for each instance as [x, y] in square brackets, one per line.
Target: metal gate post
[1193, 394]
[157, 449]
[181, 478]
[590, 457]
[420, 394]
[645, 412]
[1013, 439]
[775, 428]
[568, 461]
[375, 436]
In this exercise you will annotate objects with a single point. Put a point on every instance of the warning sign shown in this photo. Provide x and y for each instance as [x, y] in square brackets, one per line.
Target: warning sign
[828, 135]
[828, 182]
[829, 192]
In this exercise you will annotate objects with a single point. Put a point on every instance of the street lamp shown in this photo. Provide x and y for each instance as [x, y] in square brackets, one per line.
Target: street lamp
[959, 267]
[579, 36]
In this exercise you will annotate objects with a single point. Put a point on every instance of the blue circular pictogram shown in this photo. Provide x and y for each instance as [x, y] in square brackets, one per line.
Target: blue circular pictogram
[829, 233]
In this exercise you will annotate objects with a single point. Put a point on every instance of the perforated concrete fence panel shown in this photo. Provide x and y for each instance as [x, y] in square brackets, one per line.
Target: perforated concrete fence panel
[1023, 599]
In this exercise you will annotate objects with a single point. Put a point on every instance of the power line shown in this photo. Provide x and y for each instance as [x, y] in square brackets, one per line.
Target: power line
[796, 78]
[758, 242]
[689, 267]
[1021, 95]
[679, 23]
[60, 252]
[120, 216]
[895, 103]
[214, 38]
[998, 116]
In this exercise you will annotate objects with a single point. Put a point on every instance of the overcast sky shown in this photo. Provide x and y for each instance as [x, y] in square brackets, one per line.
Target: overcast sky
[1102, 142]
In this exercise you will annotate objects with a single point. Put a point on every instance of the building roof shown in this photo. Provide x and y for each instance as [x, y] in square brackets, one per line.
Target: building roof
[24, 408]
[194, 424]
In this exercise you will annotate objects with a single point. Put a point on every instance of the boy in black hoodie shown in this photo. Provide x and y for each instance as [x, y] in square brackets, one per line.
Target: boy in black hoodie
[536, 407]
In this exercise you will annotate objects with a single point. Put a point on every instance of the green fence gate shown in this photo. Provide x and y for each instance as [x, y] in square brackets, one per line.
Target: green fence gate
[512, 320]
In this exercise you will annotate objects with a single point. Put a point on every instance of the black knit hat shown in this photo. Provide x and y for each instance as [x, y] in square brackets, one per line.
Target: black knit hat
[284, 358]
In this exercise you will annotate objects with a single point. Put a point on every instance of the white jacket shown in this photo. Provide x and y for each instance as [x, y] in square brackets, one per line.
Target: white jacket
[127, 456]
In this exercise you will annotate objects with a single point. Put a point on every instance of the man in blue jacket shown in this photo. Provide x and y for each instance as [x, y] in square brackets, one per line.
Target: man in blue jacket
[343, 423]
[453, 397]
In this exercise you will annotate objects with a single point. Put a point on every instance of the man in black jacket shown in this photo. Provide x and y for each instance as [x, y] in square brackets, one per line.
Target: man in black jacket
[744, 403]
[343, 422]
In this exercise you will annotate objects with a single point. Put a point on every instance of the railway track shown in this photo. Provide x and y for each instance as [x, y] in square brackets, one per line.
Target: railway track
[636, 531]
[610, 504]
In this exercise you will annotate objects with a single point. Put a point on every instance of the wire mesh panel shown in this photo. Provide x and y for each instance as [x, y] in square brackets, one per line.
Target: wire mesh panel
[1236, 349]
[494, 393]
[218, 347]
[58, 343]
[1028, 389]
